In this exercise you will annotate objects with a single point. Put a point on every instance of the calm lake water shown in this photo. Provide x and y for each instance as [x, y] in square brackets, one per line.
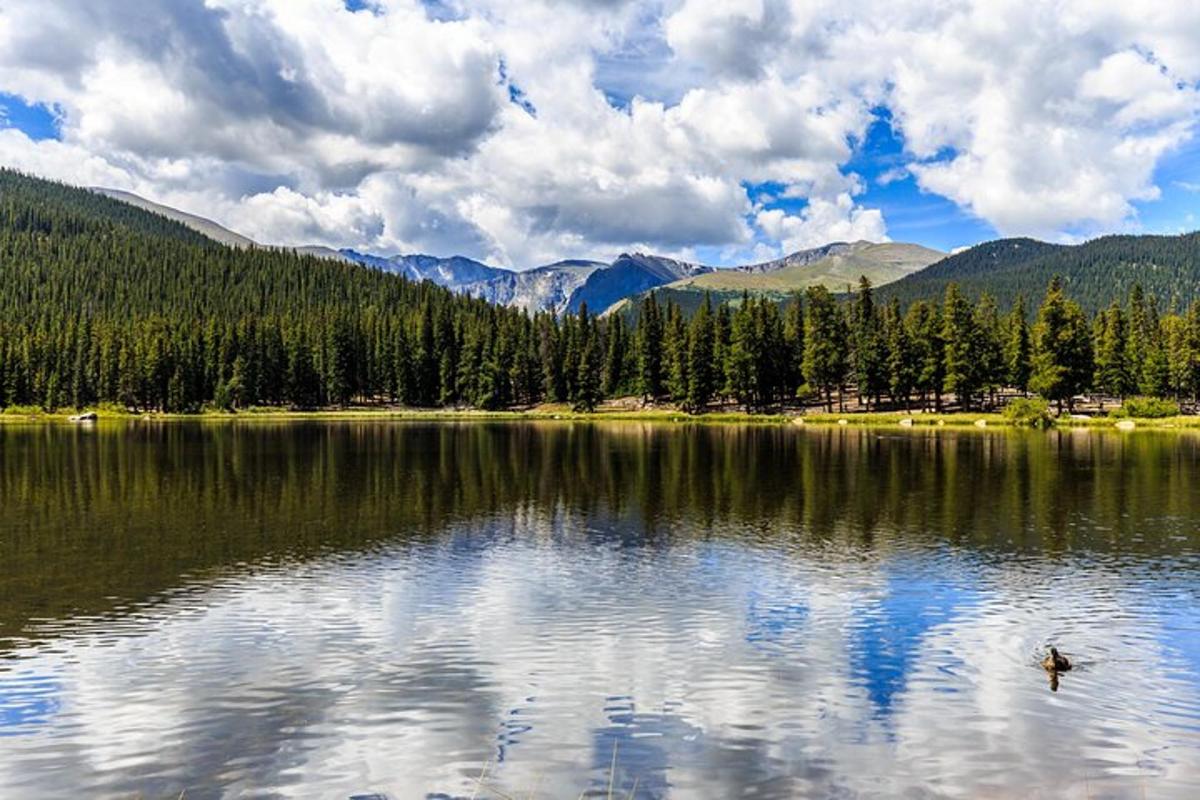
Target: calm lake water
[325, 610]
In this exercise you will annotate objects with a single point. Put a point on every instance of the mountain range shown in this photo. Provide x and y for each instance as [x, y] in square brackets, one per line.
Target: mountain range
[566, 286]
[1094, 272]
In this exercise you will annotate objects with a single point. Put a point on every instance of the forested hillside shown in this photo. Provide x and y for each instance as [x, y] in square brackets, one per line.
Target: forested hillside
[1094, 273]
[101, 302]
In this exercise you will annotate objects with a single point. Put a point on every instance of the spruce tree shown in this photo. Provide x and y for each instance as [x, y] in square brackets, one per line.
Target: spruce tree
[903, 367]
[960, 338]
[650, 349]
[614, 361]
[1017, 346]
[793, 336]
[588, 384]
[870, 368]
[1062, 349]
[1112, 375]
[702, 373]
[825, 343]
[739, 358]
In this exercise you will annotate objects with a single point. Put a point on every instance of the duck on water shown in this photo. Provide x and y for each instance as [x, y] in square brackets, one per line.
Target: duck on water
[1056, 662]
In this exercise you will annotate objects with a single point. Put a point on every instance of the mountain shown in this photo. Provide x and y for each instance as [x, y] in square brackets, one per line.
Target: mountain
[799, 258]
[319, 251]
[548, 288]
[834, 265]
[453, 273]
[558, 287]
[102, 301]
[1094, 273]
[627, 276]
[201, 225]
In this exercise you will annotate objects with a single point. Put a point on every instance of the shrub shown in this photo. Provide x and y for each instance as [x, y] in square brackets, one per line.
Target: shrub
[1146, 408]
[1032, 411]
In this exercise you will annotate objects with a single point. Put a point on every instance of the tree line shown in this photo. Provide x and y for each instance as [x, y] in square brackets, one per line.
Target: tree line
[103, 303]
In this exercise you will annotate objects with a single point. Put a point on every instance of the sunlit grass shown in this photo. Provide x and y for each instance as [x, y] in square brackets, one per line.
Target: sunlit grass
[561, 412]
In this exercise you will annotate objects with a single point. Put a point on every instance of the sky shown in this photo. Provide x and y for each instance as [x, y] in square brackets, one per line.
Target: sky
[520, 132]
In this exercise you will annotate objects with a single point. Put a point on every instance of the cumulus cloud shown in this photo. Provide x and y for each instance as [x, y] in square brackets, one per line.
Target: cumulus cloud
[406, 126]
[823, 221]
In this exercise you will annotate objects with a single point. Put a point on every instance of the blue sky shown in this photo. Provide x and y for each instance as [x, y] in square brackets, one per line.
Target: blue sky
[522, 133]
[34, 120]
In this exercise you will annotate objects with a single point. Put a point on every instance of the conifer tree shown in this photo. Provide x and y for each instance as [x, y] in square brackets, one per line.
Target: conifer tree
[924, 324]
[869, 356]
[739, 359]
[1017, 346]
[961, 348]
[825, 350]
[989, 351]
[614, 363]
[793, 336]
[587, 385]
[903, 367]
[1062, 349]
[702, 374]
[1112, 354]
[675, 350]
[650, 349]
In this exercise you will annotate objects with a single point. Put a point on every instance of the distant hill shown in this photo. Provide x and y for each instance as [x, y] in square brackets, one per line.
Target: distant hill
[1094, 273]
[201, 225]
[834, 266]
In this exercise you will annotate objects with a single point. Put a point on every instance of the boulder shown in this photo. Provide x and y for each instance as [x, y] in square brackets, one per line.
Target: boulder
[87, 416]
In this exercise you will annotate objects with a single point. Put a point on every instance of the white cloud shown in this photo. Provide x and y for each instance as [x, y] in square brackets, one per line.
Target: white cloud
[823, 221]
[297, 120]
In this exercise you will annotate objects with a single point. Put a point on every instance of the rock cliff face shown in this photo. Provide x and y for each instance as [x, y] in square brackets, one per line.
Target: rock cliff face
[548, 288]
[562, 286]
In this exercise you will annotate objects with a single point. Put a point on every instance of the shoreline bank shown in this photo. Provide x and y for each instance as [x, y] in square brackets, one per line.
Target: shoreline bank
[955, 419]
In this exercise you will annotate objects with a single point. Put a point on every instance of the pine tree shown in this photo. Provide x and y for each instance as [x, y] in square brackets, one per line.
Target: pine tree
[870, 368]
[1180, 354]
[793, 337]
[739, 359]
[989, 350]
[1112, 354]
[650, 349]
[1139, 335]
[825, 350]
[702, 374]
[1017, 346]
[903, 367]
[924, 324]
[1062, 349]
[427, 386]
[961, 351]
[675, 348]
[614, 361]
[587, 386]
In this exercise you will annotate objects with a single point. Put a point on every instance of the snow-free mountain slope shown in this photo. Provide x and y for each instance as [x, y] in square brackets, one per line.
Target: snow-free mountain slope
[199, 224]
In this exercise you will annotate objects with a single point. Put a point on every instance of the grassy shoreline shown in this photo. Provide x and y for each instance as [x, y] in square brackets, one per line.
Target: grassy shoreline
[956, 419]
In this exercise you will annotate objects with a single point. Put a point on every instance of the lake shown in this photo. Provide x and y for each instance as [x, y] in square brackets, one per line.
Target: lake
[547, 610]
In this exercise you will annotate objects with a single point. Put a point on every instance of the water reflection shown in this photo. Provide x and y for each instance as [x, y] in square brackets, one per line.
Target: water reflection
[324, 610]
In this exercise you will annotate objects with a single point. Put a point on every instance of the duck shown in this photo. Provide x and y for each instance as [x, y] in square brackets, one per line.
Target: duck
[1056, 662]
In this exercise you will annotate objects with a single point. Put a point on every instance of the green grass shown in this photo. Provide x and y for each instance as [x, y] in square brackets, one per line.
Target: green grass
[109, 414]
